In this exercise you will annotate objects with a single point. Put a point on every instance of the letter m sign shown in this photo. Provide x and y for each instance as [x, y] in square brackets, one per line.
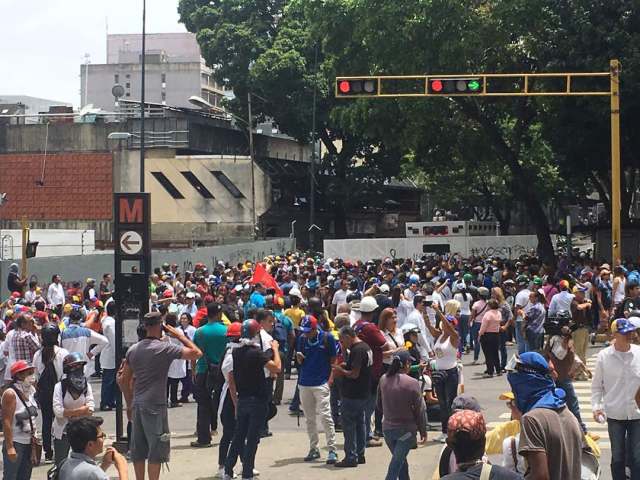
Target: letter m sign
[131, 210]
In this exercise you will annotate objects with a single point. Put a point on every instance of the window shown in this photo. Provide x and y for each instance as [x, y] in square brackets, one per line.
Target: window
[116, 78]
[168, 186]
[164, 96]
[197, 184]
[128, 85]
[227, 183]
[128, 75]
[163, 77]
[127, 94]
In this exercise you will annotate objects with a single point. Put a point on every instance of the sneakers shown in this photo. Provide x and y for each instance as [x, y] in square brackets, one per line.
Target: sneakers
[220, 472]
[313, 454]
[346, 463]
[361, 460]
[332, 458]
[442, 438]
[374, 443]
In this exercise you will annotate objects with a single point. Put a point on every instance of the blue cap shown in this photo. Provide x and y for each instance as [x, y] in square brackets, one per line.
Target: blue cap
[532, 361]
[622, 325]
[308, 323]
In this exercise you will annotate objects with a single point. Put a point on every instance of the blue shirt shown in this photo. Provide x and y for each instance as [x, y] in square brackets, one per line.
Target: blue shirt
[316, 368]
[288, 326]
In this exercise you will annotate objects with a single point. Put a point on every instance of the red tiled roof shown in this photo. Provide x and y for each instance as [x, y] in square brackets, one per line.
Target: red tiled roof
[77, 186]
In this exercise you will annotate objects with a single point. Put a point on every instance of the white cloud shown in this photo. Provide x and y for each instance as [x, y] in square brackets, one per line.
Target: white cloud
[44, 41]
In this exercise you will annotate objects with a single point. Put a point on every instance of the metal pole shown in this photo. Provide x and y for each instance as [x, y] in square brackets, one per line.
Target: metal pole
[569, 239]
[144, 17]
[616, 204]
[25, 240]
[312, 165]
[253, 181]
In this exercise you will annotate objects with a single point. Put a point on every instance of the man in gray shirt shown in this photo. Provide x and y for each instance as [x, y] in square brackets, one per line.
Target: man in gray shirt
[87, 442]
[146, 369]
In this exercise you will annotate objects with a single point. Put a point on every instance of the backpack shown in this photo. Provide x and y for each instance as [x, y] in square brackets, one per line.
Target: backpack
[46, 383]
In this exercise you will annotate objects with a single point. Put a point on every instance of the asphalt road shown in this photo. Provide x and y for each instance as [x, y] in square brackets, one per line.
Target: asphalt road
[281, 456]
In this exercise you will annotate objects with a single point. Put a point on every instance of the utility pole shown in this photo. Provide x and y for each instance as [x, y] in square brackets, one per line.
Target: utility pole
[25, 241]
[616, 203]
[253, 181]
[142, 109]
[312, 166]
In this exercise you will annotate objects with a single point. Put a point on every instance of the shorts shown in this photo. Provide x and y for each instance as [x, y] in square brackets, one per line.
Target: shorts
[150, 435]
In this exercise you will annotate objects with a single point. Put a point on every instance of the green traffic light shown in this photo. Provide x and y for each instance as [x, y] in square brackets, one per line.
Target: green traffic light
[474, 85]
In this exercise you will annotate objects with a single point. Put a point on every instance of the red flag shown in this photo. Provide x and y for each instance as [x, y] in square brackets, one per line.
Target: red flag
[260, 275]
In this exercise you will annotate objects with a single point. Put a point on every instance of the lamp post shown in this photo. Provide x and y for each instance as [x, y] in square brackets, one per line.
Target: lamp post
[144, 17]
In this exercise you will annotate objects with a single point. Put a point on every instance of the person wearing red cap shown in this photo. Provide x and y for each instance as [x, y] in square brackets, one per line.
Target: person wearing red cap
[19, 412]
[561, 301]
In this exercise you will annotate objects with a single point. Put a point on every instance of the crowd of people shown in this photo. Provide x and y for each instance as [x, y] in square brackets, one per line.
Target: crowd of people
[375, 348]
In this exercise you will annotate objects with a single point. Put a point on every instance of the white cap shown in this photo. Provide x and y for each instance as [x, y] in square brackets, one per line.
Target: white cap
[294, 292]
[635, 321]
[384, 288]
[368, 304]
[191, 295]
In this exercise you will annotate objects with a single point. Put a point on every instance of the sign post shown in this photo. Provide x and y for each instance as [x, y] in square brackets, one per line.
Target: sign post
[132, 239]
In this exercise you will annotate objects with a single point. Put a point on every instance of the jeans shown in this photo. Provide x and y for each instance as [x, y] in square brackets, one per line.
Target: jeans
[533, 341]
[475, 328]
[250, 418]
[446, 391]
[400, 442]
[463, 331]
[621, 432]
[504, 336]
[316, 402]
[108, 390]
[572, 401]
[353, 428]
[490, 347]
[187, 386]
[370, 407]
[228, 419]
[205, 412]
[522, 348]
[21, 468]
[47, 420]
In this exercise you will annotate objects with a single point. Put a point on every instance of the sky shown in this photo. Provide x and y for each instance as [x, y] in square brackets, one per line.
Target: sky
[44, 41]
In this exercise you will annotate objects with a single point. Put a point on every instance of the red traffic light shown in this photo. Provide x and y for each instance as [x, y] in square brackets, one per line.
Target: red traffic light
[344, 86]
[354, 87]
[436, 85]
[456, 86]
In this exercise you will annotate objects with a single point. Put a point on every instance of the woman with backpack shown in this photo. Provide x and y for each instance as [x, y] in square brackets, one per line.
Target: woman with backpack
[48, 364]
[72, 398]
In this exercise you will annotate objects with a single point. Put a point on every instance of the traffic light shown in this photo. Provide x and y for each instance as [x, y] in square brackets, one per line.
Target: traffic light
[454, 86]
[31, 249]
[353, 87]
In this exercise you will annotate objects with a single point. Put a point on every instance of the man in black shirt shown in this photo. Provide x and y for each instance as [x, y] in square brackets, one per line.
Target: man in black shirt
[356, 388]
[250, 394]
[14, 282]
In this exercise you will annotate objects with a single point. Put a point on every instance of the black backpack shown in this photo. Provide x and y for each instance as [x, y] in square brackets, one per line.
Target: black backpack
[46, 383]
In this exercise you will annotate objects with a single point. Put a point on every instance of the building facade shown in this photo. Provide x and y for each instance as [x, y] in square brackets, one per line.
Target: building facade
[174, 71]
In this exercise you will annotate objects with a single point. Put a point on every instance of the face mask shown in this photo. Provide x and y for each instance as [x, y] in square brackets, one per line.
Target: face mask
[77, 380]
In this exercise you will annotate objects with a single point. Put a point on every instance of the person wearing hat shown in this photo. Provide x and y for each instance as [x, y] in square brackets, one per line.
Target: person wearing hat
[604, 298]
[581, 320]
[143, 382]
[400, 397]
[551, 439]
[369, 333]
[15, 283]
[19, 414]
[89, 290]
[211, 339]
[78, 338]
[315, 353]
[613, 390]
[72, 398]
[246, 375]
[190, 304]
[561, 301]
[467, 438]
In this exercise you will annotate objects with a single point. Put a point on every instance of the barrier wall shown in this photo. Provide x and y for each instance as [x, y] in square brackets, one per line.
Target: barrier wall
[79, 267]
[507, 246]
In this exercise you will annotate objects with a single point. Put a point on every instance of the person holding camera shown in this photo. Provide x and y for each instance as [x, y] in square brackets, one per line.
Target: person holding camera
[148, 362]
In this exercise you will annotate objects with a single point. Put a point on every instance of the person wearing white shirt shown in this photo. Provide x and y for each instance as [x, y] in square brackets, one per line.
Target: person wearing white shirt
[76, 338]
[31, 294]
[561, 301]
[340, 296]
[108, 361]
[615, 384]
[55, 294]
[190, 307]
[72, 398]
[187, 383]
[416, 318]
[266, 320]
[521, 303]
[465, 299]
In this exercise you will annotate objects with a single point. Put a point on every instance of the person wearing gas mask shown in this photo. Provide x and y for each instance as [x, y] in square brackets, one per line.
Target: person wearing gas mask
[72, 398]
[19, 413]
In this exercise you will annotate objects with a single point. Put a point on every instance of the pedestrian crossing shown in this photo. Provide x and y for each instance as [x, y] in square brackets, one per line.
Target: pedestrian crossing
[583, 392]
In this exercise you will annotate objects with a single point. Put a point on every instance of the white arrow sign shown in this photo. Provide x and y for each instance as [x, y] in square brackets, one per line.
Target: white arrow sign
[130, 242]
